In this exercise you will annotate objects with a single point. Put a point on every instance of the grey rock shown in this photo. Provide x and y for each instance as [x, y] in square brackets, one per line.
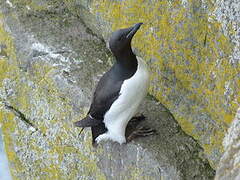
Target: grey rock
[228, 167]
[58, 64]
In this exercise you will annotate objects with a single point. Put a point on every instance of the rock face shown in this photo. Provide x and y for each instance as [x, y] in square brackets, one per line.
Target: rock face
[192, 48]
[4, 169]
[230, 162]
[50, 63]
[53, 52]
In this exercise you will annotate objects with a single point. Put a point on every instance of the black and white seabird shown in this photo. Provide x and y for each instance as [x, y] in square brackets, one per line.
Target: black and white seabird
[119, 91]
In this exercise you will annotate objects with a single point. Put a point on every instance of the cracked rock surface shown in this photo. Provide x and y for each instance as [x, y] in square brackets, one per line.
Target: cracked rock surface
[51, 63]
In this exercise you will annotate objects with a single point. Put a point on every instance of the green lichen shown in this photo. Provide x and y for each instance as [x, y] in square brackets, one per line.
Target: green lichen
[43, 101]
[7, 118]
[8, 128]
[188, 55]
[44, 106]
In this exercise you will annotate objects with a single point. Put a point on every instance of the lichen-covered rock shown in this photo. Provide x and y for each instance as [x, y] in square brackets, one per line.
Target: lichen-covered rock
[49, 65]
[192, 48]
[229, 165]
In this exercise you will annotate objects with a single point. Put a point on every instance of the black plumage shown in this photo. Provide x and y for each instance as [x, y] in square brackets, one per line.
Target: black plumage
[109, 86]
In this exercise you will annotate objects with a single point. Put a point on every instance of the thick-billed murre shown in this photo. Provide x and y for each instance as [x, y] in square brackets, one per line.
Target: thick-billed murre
[119, 91]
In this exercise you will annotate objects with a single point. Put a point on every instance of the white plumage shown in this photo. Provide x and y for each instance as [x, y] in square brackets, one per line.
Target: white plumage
[132, 92]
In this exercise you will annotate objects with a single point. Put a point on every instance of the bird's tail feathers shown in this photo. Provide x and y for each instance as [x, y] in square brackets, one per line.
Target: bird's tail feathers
[97, 126]
[87, 122]
[96, 131]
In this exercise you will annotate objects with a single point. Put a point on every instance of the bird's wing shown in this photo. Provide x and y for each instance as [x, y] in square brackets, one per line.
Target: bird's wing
[107, 91]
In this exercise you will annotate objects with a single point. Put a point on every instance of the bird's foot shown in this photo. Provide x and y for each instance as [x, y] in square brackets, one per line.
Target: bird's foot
[113, 137]
[141, 131]
[102, 137]
[137, 119]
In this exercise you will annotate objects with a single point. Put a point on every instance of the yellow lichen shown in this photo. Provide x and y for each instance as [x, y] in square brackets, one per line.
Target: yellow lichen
[7, 118]
[184, 41]
[24, 101]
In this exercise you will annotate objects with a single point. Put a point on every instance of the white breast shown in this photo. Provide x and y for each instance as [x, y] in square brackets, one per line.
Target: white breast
[132, 92]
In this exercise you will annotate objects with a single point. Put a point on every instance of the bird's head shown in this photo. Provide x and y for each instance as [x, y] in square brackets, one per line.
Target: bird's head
[120, 40]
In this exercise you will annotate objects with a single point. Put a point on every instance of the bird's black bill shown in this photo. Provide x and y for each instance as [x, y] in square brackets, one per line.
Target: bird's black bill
[133, 30]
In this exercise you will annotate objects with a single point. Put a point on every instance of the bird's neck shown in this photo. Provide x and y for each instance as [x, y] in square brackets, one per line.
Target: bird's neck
[126, 65]
[127, 59]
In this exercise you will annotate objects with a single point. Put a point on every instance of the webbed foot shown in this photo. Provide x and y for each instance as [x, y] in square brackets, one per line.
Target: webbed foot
[136, 119]
[141, 131]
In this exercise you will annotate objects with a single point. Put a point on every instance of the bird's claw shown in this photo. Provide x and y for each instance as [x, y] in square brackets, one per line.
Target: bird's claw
[141, 132]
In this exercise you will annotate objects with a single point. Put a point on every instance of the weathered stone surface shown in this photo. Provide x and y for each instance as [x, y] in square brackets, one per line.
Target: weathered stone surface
[4, 169]
[192, 48]
[229, 166]
[194, 59]
[50, 63]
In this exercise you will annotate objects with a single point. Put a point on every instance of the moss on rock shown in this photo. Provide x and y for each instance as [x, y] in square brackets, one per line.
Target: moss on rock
[189, 56]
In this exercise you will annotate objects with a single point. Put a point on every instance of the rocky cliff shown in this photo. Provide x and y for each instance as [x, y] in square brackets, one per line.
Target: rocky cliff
[53, 53]
[192, 48]
[229, 164]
